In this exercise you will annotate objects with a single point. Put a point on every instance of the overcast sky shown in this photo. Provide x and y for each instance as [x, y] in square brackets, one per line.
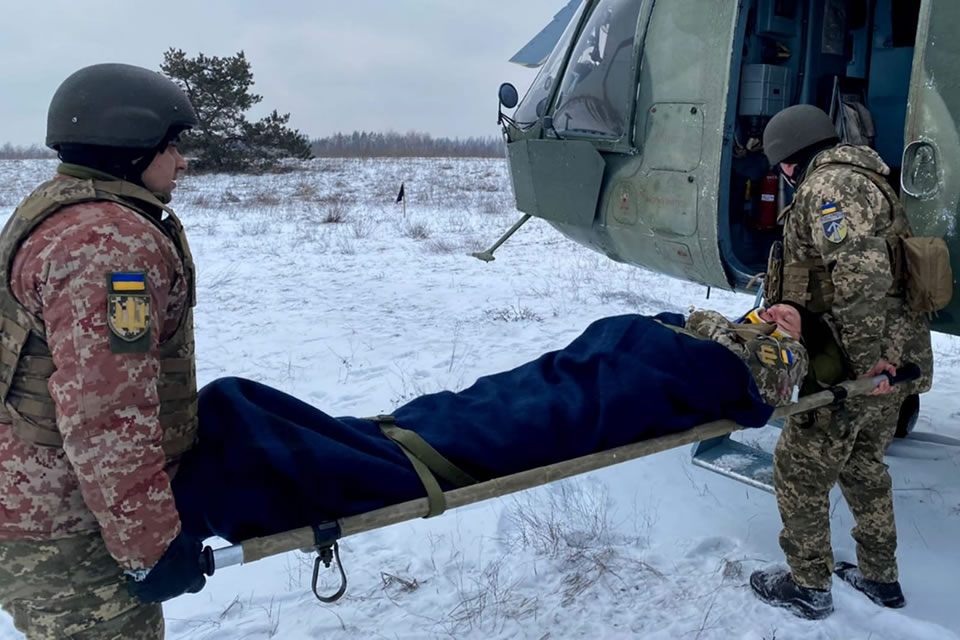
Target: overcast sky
[335, 65]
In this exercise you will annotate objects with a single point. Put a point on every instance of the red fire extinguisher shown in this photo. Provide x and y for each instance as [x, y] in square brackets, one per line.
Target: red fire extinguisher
[767, 215]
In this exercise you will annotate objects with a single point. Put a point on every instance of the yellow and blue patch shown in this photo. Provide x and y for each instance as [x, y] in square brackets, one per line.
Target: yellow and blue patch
[129, 281]
[128, 311]
[787, 356]
[834, 223]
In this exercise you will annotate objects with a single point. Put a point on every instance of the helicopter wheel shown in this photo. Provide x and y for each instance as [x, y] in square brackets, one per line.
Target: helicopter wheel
[909, 412]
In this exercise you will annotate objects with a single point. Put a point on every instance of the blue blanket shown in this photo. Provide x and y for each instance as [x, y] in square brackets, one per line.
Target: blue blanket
[266, 462]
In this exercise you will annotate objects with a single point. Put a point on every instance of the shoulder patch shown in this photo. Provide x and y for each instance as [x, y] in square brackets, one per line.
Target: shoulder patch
[787, 356]
[833, 222]
[768, 355]
[128, 311]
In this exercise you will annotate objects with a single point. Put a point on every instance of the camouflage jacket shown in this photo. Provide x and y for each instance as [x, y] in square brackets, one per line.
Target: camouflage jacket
[110, 472]
[778, 364]
[838, 226]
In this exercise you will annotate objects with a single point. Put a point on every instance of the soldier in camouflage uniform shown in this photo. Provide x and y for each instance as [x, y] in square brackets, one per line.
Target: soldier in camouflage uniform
[838, 267]
[97, 376]
[767, 342]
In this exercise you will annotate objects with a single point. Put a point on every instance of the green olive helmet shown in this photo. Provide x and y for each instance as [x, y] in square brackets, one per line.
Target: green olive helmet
[117, 105]
[794, 129]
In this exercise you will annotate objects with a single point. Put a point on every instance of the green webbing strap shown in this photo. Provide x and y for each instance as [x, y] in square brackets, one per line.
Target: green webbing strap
[677, 329]
[426, 461]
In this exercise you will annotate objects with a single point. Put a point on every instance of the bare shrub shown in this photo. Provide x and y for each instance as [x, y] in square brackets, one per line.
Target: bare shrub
[513, 313]
[416, 230]
[255, 227]
[362, 227]
[441, 245]
[570, 514]
[264, 198]
[491, 206]
[229, 197]
[202, 200]
[392, 582]
[488, 602]
[346, 246]
[334, 209]
[209, 227]
[571, 521]
[475, 243]
[304, 189]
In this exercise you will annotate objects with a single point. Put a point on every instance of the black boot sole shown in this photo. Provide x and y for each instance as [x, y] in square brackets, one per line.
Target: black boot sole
[844, 571]
[798, 608]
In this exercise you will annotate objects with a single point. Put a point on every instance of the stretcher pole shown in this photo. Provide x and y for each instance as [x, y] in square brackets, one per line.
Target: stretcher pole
[325, 535]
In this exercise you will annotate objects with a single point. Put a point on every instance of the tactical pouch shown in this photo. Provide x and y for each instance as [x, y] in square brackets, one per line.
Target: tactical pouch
[927, 273]
[25, 402]
[808, 284]
[773, 281]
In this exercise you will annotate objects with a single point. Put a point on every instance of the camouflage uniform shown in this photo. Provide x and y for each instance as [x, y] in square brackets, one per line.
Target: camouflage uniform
[778, 363]
[75, 513]
[837, 264]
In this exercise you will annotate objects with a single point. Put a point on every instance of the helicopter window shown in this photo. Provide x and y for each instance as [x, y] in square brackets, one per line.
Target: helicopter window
[597, 86]
[534, 104]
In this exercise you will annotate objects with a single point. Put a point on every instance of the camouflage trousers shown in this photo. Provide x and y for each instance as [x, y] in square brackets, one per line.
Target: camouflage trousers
[816, 451]
[71, 588]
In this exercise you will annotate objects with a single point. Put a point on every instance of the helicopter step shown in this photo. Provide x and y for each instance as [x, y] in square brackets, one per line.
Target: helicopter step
[735, 460]
[754, 466]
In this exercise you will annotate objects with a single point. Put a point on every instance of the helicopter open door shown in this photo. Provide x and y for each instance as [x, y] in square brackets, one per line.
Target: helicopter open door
[618, 142]
[930, 176]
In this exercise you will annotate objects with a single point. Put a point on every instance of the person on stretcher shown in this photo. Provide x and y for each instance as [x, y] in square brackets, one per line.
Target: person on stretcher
[265, 462]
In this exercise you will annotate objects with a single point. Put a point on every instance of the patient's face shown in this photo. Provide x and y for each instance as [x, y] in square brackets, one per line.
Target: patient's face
[785, 317]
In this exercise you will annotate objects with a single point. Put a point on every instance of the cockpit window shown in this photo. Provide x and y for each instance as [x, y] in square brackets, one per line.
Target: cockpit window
[536, 101]
[597, 88]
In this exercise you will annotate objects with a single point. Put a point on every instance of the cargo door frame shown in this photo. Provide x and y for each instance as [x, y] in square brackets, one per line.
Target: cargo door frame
[930, 177]
[664, 201]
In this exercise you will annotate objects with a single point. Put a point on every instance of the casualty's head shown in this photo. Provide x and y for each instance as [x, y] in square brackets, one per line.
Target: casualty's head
[794, 136]
[786, 318]
[122, 120]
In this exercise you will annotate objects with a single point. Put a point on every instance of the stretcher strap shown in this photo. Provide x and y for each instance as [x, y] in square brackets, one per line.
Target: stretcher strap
[426, 461]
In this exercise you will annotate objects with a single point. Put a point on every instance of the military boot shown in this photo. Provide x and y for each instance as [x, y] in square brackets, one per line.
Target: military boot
[885, 594]
[776, 587]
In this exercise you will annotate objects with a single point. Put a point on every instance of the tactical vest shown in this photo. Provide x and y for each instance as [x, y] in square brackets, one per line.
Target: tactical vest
[26, 364]
[808, 282]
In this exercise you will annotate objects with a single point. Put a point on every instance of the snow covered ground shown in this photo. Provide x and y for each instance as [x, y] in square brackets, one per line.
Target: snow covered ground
[360, 315]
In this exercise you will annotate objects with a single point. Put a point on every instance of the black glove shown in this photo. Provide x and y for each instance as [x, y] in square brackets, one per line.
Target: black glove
[177, 572]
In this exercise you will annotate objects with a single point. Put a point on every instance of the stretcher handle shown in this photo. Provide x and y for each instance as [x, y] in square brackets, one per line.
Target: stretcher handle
[907, 373]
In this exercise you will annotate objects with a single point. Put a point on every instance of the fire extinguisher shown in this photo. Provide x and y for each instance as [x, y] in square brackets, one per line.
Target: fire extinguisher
[767, 215]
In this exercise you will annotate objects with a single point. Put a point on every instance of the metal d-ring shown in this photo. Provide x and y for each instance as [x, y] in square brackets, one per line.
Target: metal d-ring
[326, 555]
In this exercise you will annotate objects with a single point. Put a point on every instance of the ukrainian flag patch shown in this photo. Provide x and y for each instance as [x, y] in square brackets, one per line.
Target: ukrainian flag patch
[787, 356]
[128, 281]
[834, 223]
[128, 311]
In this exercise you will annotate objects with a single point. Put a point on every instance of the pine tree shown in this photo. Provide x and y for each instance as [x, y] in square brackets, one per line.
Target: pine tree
[219, 89]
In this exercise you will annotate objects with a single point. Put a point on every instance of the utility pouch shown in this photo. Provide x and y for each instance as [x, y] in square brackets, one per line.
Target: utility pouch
[773, 281]
[927, 273]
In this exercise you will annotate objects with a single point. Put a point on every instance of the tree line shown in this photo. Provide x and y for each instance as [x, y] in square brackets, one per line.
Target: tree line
[23, 152]
[226, 141]
[364, 144]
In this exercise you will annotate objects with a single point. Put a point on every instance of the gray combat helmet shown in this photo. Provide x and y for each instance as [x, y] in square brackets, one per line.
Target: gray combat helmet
[117, 105]
[794, 129]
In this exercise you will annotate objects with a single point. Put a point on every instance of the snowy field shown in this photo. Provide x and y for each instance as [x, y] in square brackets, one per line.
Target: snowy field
[312, 282]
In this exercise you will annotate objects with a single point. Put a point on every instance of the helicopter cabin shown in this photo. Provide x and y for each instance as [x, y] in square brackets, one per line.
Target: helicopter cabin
[641, 135]
[852, 58]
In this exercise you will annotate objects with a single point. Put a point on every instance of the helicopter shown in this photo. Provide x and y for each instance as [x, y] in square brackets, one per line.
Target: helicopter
[640, 136]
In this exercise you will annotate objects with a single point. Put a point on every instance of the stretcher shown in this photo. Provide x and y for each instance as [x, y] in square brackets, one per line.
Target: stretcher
[323, 538]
